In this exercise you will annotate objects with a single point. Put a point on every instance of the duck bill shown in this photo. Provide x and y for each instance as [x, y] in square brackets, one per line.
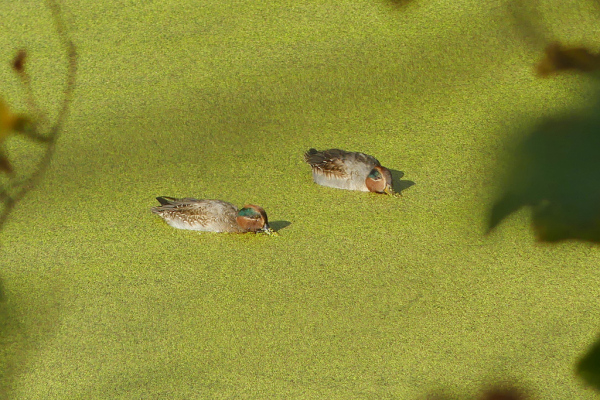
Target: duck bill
[267, 229]
[388, 190]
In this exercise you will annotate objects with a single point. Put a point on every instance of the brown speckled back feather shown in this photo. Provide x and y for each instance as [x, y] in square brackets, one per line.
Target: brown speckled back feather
[332, 162]
[190, 213]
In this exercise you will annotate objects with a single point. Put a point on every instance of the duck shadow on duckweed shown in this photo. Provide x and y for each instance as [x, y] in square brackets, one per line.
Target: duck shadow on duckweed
[398, 184]
[279, 225]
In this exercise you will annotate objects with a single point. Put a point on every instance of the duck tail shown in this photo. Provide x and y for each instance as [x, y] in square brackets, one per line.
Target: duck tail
[164, 200]
[310, 154]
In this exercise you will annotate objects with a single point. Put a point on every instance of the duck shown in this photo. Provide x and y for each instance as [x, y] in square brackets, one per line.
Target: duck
[349, 170]
[212, 215]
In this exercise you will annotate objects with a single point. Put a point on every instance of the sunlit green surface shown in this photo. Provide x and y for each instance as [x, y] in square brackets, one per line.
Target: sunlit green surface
[361, 296]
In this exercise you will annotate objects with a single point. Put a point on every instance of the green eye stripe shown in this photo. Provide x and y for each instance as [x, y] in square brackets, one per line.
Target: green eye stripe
[375, 174]
[247, 212]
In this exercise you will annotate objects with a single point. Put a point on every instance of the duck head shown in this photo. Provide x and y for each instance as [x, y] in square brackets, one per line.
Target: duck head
[379, 180]
[254, 219]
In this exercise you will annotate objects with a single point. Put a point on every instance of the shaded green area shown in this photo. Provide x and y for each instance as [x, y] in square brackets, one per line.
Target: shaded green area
[588, 366]
[556, 172]
[26, 322]
[397, 299]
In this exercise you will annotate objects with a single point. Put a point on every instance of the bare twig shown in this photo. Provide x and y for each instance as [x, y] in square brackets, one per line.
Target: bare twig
[18, 65]
[15, 191]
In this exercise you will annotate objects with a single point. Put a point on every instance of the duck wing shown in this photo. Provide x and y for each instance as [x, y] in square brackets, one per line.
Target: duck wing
[337, 162]
[193, 207]
[202, 215]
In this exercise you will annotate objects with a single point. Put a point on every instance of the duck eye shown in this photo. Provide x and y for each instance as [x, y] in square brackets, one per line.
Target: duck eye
[375, 175]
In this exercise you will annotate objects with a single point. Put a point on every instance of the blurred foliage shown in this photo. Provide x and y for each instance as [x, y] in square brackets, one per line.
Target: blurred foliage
[14, 342]
[399, 3]
[496, 392]
[11, 123]
[588, 366]
[557, 173]
[29, 124]
[557, 168]
[504, 393]
[559, 58]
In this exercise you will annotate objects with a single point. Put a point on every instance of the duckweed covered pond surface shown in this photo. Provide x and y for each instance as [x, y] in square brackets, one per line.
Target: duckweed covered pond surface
[361, 296]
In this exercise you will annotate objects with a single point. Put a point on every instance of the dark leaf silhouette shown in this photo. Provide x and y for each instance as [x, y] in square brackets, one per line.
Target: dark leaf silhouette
[589, 366]
[497, 392]
[5, 163]
[557, 173]
[560, 58]
[503, 393]
[19, 61]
